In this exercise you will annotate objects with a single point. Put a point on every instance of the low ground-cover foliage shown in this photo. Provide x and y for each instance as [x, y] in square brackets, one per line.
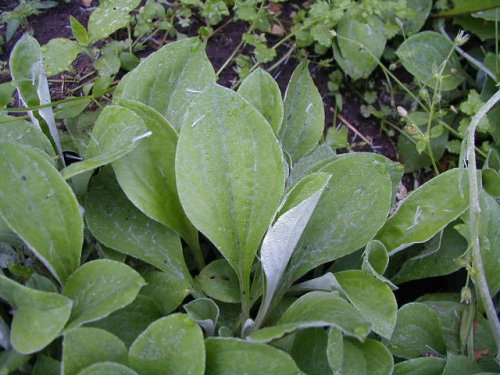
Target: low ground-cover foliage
[295, 269]
[301, 249]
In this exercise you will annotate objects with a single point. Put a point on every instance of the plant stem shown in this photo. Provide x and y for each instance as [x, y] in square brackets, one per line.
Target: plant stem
[474, 219]
[53, 104]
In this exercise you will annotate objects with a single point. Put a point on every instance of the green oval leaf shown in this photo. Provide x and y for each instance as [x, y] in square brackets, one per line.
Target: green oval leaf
[219, 281]
[59, 54]
[426, 211]
[417, 332]
[39, 317]
[117, 131]
[423, 54]
[316, 309]
[229, 356]
[32, 188]
[171, 345]
[24, 56]
[372, 297]
[261, 90]
[147, 174]
[230, 175]
[86, 346]
[108, 17]
[118, 224]
[341, 224]
[360, 44]
[169, 79]
[100, 287]
[304, 116]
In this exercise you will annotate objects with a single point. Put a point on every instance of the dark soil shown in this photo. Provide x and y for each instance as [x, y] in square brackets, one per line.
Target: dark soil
[54, 23]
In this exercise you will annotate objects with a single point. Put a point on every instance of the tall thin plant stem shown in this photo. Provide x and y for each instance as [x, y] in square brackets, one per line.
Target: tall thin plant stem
[474, 221]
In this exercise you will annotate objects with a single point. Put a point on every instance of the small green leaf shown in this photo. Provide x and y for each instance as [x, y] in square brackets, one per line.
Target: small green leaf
[309, 351]
[304, 116]
[117, 131]
[375, 258]
[115, 222]
[417, 332]
[46, 366]
[262, 91]
[167, 289]
[79, 31]
[229, 356]
[360, 45]
[421, 9]
[100, 287]
[313, 162]
[169, 79]
[370, 357]
[431, 262]
[420, 366]
[86, 346]
[58, 55]
[171, 345]
[147, 174]
[130, 321]
[219, 281]
[373, 299]
[233, 201]
[6, 91]
[107, 368]
[39, 317]
[27, 134]
[425, 211]
[450, 312]
[10, 361]
[32, 188]
[24, 56]
[316, 309]
[108, 17]
[423, 55]
[205, 312]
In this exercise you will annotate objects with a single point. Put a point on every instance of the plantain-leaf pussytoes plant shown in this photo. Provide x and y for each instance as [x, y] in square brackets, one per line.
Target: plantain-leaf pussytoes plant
[209, 231]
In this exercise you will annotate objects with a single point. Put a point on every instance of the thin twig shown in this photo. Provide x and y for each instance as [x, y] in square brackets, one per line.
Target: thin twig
[474, 214]
[343, 119]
